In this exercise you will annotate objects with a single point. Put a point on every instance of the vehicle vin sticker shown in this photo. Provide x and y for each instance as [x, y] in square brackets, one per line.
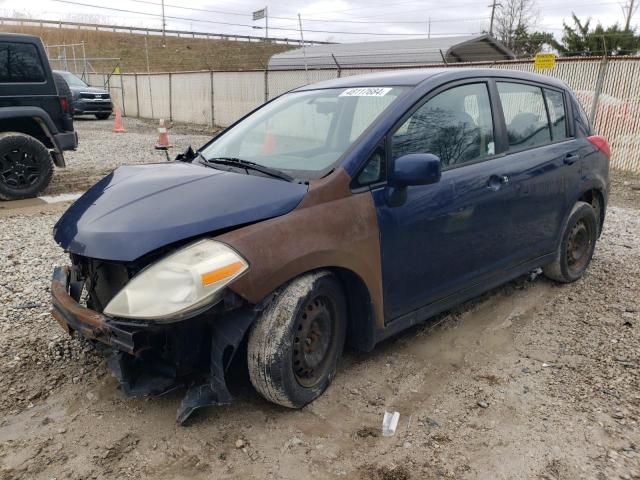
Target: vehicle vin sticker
[366, 92]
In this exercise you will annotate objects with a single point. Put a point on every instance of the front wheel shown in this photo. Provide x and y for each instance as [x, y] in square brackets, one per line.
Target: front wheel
[103, 116]
[295, 345]
[577, 245]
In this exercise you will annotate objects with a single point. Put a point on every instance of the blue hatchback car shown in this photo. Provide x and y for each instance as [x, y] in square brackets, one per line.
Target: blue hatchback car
[344, 211]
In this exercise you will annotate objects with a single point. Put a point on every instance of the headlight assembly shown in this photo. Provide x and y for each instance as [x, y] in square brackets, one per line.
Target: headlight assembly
[184, 281]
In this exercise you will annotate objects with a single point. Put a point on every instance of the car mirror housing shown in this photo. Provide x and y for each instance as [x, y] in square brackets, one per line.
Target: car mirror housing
[415, 169]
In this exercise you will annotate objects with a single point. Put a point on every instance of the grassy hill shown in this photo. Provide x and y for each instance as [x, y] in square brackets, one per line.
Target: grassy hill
[180, 53]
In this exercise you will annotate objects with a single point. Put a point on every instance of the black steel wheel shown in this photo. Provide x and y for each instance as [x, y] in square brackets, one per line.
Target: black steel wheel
[577, 245]
[313, 334]
[26, 166]
[295, 345]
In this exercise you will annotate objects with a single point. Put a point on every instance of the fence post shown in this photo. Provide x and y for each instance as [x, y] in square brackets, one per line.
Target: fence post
[135, 77]
[213, 116]
[266, 84]
[170, 99]
[337, 65]
[602, 71]
[122, 93]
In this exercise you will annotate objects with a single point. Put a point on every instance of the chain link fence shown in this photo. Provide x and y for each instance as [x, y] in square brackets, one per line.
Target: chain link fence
[608, 89]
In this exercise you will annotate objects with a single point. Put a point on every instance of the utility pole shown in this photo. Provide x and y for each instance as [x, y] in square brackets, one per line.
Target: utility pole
[266, 23]
[493, 14]
[429, 31]
[164, 27]
[629, 10]
[304, 49]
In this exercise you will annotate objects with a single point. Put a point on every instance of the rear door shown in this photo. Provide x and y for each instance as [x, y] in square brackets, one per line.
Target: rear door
[543, 158]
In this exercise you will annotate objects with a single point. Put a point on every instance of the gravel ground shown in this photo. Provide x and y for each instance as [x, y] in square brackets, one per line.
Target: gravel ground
[100, 150]
[531, 380]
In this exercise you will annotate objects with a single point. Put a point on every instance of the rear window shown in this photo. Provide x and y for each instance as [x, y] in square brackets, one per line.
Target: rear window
[525, 115]
[20, 63]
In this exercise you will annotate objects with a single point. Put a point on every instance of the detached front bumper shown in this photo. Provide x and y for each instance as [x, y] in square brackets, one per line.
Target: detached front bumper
[152, 359]
[90, 324]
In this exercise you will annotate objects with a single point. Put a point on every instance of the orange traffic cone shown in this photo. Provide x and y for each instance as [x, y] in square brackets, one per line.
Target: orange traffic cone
[118, 126]
[163, 138]
[269, 144]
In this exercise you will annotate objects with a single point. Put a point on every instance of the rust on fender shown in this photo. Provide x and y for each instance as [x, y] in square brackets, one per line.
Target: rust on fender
[332, 227]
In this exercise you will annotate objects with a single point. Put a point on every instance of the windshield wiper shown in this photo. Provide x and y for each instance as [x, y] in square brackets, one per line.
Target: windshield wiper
[246, 164]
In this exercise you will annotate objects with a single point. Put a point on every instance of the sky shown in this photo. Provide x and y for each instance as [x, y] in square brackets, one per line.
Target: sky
[326, 20]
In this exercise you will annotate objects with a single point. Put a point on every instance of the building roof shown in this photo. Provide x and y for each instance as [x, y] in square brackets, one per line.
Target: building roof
[418, 51]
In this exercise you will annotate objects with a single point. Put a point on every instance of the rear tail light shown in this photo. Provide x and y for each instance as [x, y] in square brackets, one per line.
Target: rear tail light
[601, 144]
[64, 103]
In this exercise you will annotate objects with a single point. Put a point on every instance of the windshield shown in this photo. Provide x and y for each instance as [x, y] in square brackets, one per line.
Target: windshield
[304, 133]
[72, 80]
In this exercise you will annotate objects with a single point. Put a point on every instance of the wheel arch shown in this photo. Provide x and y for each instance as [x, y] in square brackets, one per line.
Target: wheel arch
[596, 198]
[361, 314]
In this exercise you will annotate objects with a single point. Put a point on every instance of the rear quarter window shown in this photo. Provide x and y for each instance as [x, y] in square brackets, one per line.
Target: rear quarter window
[20, 63]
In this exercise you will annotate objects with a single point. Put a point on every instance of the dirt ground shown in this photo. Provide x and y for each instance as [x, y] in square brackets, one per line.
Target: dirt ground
[531, 380]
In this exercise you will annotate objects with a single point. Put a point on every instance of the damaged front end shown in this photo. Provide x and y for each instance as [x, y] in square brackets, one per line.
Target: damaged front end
[153, 357]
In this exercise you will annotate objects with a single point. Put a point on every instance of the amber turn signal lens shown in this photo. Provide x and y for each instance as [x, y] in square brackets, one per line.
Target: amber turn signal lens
[221, 273]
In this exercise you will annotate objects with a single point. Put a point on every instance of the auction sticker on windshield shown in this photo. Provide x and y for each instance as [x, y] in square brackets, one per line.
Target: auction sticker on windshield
[366, 92]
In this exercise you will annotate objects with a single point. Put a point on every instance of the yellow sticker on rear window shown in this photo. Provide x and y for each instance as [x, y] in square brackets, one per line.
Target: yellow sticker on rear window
[366, 92]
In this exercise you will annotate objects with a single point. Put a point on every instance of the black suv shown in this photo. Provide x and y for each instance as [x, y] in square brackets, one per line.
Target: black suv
[36, 122]
[87, 100]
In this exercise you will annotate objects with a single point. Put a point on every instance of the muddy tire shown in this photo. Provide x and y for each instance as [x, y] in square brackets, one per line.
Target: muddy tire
[26, 166]
[295, 345]
[577, 245]
[103, 116]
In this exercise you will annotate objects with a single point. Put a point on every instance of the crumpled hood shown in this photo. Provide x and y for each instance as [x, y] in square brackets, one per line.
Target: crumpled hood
[138, 209]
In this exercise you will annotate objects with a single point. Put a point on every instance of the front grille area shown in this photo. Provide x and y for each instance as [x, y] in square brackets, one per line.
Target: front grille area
[102, 279]
[94, 96]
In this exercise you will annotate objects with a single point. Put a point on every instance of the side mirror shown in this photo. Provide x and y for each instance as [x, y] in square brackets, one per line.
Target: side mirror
[415, 169]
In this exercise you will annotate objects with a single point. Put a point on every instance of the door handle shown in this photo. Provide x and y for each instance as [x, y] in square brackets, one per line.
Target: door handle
[497, 181]
[571, 158]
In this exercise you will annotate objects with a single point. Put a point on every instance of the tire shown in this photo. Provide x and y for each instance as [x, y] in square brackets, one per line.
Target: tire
[63, 89]
[309, 312]
[576, 248]
[26, 166]
[103, 116]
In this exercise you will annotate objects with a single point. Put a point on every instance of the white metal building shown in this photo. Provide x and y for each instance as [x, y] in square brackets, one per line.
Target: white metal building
[393, 53]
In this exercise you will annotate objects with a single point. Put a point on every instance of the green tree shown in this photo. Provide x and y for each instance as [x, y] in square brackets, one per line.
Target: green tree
[580, 40]
[527, 44]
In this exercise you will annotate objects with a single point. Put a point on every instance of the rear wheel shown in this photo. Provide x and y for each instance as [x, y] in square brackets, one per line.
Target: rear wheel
[295, 345]
[577, 245]
[103, 116]
[26, 166]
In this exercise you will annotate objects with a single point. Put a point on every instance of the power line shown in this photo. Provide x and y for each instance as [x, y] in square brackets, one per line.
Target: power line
[70, 2]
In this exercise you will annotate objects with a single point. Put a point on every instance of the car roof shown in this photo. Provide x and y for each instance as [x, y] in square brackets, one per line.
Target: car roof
[414, 77]
[8, 36]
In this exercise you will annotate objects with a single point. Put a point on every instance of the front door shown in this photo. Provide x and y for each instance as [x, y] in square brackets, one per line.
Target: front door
[450, 234]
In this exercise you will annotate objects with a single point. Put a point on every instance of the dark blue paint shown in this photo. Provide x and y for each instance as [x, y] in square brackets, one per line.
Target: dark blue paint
[415, 169]
[138, 209]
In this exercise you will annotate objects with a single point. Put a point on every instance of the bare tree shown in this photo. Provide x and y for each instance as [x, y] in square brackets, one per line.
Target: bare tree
[629, 8]
[513, 16]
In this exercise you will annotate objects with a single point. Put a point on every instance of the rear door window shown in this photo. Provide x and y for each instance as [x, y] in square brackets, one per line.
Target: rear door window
[20, 63]
[557, 114]
[525, 115]
[456, 125]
